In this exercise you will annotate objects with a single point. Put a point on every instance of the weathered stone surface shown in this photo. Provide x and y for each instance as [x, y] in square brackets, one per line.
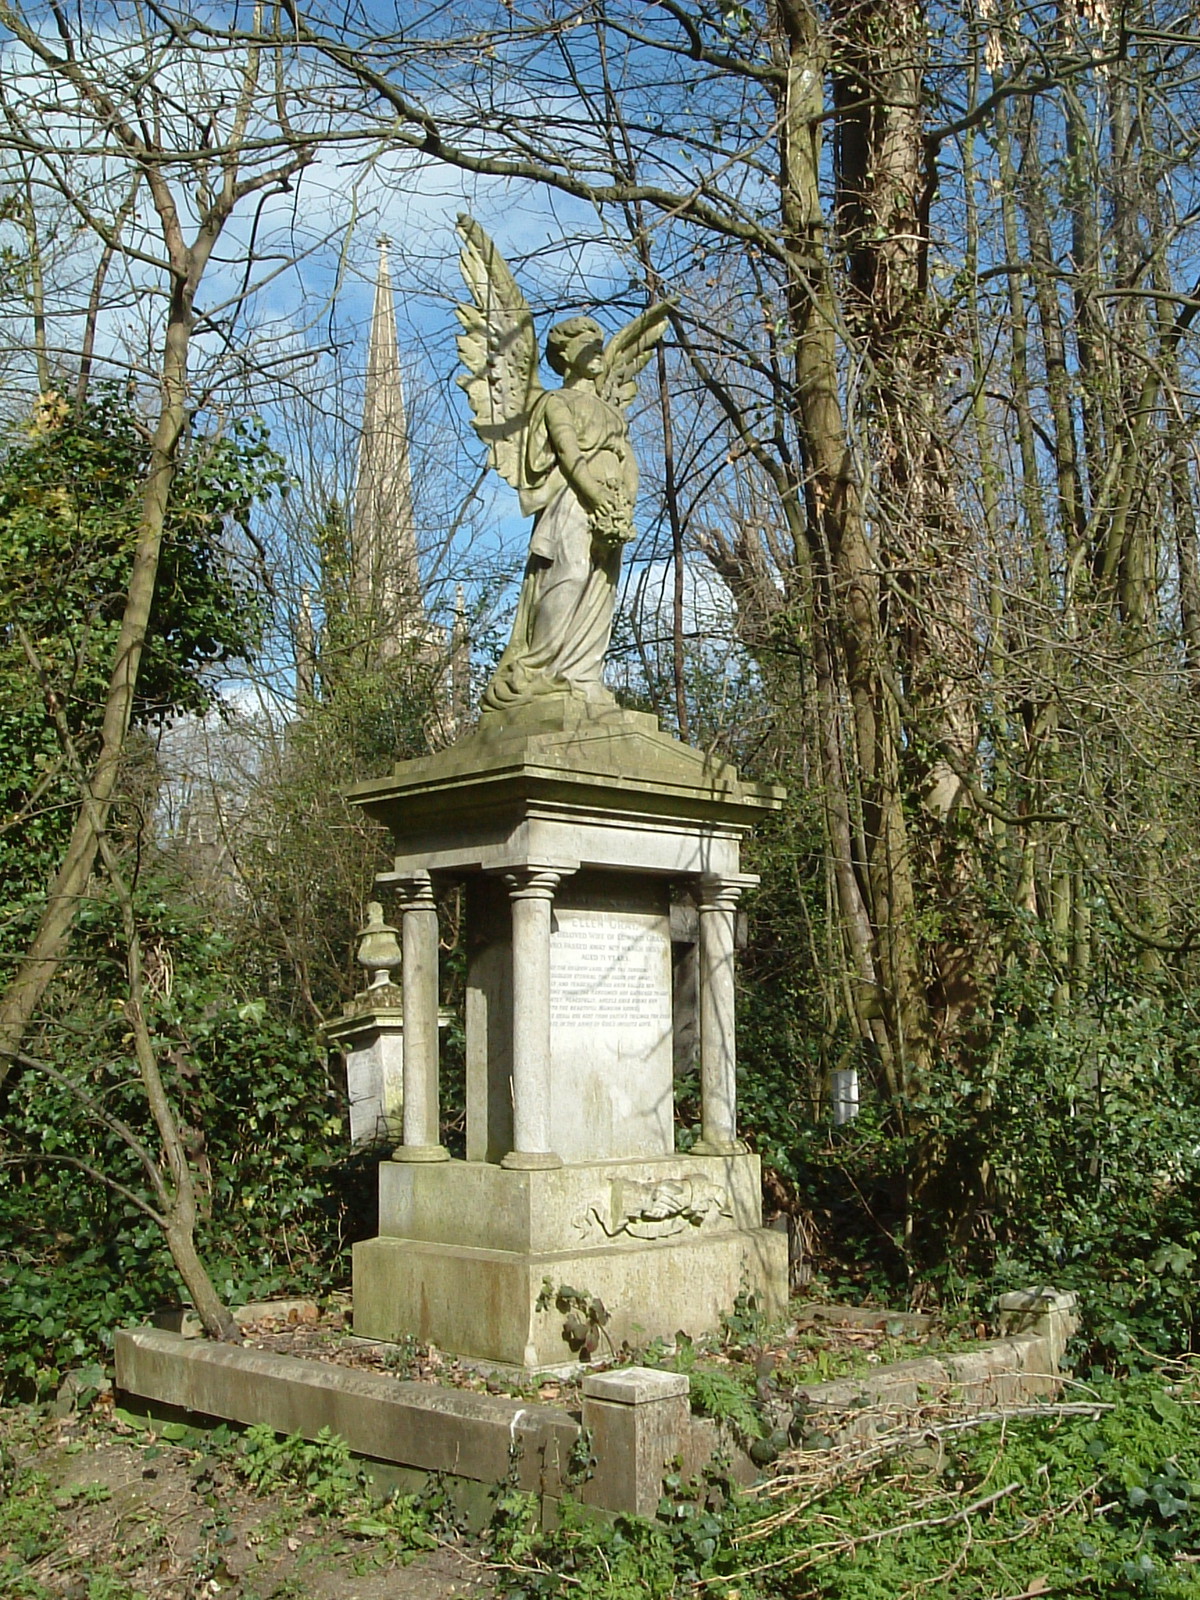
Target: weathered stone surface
[285, 1313]
[910, 1322]
[415, 1424]
[476, 1204]
[635, 1386]
[1048, 1315]
[609, 1093]
[616, 763]
[639, 1421]
[1013, 1370]
[569, 828]
[607, 791]
[612, 1090]
[483, 1303]
[372, 1043]
[488, 1019]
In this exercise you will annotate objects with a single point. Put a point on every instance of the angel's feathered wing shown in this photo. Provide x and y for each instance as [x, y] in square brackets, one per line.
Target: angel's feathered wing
[499, 350]
[627, 353]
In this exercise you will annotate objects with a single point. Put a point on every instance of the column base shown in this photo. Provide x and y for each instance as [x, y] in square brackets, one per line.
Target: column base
[531, 1160]
[420, 1152]
[719, 1147]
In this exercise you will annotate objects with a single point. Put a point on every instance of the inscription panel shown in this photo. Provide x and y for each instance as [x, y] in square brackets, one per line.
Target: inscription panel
[610, 1034]
[610, 971]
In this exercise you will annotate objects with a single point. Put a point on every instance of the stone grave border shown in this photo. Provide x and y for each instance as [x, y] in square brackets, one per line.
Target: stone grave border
[635, 1420]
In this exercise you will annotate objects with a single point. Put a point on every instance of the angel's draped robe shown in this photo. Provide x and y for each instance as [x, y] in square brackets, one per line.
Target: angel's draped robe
[565, 609]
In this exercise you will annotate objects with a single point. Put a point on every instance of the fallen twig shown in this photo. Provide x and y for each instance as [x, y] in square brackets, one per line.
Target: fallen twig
[820, 1553]
[818, 1472]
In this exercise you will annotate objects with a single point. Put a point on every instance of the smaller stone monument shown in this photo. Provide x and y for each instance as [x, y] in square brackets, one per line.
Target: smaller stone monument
[370, 1038]
[582, 838]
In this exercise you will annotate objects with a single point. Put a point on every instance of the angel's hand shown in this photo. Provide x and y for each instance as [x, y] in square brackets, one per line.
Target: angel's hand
[611, 521]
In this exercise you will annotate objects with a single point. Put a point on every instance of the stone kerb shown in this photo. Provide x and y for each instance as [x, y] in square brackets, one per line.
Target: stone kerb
[1020, 1368]
[422, 1425]
[637, 1419]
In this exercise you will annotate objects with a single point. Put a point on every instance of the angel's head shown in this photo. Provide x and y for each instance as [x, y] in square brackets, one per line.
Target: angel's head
[573, 345]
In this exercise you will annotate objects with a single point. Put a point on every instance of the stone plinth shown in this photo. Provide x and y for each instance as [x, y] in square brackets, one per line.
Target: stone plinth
[577, 837]
[465, 1250]
[372, 1045]
[570, 1208]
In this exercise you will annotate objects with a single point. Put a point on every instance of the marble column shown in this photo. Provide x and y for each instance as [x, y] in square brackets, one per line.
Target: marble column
[718, 1055]
[531, 894]
[419, 980]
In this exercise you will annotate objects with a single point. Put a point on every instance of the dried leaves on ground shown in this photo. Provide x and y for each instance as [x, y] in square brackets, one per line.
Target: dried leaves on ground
[94, 1509]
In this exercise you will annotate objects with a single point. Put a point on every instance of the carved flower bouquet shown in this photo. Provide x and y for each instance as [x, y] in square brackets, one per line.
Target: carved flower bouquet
[611, 521]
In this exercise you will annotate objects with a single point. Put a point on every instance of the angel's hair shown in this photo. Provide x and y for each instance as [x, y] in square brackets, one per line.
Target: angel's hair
[565, 337]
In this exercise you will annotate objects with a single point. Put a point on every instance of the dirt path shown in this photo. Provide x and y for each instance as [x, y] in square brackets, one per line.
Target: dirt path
[93, 1510]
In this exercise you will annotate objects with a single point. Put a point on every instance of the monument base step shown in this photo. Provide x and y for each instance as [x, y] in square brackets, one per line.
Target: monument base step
[500, 1306]
[573, 1208]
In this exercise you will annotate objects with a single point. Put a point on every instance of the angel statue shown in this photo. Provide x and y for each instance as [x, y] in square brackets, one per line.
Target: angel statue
[567, 453]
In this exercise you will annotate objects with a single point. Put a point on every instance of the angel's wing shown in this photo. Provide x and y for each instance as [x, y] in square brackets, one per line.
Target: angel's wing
[627, 353]
[499, 350]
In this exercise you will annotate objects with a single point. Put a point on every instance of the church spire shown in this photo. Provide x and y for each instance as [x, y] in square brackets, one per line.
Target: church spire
[385, 575]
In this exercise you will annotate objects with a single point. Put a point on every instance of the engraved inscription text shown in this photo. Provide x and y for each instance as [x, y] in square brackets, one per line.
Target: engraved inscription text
[610, 971]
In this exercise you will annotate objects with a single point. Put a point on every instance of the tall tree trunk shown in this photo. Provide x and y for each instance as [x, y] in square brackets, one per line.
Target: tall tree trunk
[846, 574]
[22, 997]
[924, 549]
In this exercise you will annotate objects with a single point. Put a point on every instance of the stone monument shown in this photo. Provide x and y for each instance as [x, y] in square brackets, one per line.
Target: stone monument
[574, 828]
[369, 1035]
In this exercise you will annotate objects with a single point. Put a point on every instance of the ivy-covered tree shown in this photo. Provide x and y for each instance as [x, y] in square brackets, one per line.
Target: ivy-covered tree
[69, 488]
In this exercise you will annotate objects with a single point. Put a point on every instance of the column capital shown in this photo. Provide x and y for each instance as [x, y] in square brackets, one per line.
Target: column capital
[533, 882]
[721, 891]
[414, 890]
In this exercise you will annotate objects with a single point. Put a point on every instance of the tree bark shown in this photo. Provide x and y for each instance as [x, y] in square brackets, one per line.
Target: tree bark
[846, 574]
[22, 997]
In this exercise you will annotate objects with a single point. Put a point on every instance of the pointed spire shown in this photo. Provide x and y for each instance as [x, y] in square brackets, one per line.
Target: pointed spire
[460, 663]
[385, 574]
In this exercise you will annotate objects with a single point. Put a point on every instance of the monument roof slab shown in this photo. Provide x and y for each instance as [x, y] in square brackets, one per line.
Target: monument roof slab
[599, 763]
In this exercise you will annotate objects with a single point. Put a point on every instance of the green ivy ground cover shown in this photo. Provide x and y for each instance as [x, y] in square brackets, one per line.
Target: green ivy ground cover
[1099, 1504]
[1098, 1498]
